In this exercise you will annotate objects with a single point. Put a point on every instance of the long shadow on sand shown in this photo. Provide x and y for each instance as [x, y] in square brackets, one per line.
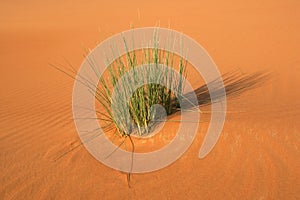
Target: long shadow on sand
[235, 84]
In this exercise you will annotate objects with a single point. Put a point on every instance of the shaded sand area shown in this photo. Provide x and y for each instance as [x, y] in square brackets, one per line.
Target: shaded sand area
[257, 156]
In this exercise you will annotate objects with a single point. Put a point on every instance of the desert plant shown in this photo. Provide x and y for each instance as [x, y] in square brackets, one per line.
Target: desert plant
[145, 96]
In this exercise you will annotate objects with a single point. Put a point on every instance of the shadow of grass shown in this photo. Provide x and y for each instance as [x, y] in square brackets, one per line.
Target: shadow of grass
[234, 83]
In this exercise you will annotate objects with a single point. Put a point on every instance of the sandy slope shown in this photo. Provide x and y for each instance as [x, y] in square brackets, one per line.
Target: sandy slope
[257, 156]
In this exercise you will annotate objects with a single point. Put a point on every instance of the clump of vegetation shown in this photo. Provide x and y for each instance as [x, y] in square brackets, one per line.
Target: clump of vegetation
[144, 97]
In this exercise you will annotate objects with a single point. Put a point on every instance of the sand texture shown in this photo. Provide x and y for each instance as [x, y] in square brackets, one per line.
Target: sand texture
[257, 156]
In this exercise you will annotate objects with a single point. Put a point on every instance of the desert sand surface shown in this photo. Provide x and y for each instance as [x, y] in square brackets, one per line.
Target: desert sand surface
[257, 155]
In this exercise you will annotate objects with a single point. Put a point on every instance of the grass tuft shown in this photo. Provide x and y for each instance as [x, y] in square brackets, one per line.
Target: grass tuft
[144, 97]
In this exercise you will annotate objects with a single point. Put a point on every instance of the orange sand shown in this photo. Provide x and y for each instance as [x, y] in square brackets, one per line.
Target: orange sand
[257, 156]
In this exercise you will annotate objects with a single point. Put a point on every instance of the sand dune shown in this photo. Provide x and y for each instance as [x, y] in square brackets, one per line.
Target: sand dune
[257, 156]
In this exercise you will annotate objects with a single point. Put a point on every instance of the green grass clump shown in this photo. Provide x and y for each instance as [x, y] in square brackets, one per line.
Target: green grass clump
[144, 97]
